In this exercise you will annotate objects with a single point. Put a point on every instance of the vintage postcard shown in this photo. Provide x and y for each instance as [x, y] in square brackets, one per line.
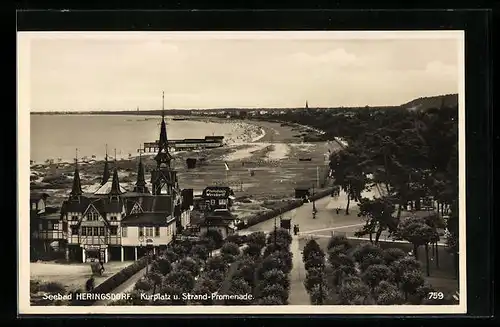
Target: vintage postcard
[241, 172]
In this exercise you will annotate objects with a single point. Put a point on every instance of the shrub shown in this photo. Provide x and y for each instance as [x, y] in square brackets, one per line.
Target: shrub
[375, 274]
[170, 255]
[188, 264]
[337, 259]
[278, 277]
[144, 284]
[182, 278]
[236, 239]
[215, 275]
[253, 250]
[343, 272]
[271, 262]
[273, 291]
[314, 276]
[215, 236]
[393, 254]
[339, 241]
[200, 251]
[283, 237]
[272, 248]
[205, 286]
[399, 267]
[311, 247]
[370, 260]
[388, 294]
[238, 286]
[257, 238]
[410, 281]
[231, 249]
[353, 292]
[316, 260]
[366, 249]
[320, 294]
[162, 265]
[216, 264]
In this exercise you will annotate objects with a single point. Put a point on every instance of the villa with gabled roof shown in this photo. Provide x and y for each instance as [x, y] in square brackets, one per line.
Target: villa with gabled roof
[112, 223]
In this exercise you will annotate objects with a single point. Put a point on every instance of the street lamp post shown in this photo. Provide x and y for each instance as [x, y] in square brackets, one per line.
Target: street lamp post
[275, 231]
[313, 203]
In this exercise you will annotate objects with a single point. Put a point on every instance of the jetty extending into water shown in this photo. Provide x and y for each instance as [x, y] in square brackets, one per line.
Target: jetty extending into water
[208, 142]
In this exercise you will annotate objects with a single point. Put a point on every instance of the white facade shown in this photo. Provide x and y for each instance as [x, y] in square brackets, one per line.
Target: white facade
[155, 236]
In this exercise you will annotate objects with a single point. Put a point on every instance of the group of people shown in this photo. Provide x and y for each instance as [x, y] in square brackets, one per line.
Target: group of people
[295, 229]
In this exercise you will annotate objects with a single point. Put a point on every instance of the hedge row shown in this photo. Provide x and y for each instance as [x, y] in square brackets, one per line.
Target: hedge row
[260, 217]
[117, 279]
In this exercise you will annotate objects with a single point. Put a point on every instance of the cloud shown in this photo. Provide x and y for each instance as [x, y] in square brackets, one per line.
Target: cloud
[339, 57]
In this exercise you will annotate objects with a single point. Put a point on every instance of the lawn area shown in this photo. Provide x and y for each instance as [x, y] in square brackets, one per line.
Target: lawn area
[72, 276]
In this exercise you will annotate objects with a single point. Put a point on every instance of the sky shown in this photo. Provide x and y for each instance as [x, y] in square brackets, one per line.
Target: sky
[120, 71]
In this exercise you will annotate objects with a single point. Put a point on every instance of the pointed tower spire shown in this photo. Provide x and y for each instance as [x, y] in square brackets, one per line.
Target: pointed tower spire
[115, 184]
[307, 105]
[140, 185]
[163, 156]
[76, 190]
[105, 175]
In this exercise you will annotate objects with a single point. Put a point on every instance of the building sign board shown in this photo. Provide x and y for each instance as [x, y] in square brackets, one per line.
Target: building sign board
[216, 192]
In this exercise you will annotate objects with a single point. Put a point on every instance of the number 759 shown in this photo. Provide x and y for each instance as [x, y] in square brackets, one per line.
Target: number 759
[436, 295]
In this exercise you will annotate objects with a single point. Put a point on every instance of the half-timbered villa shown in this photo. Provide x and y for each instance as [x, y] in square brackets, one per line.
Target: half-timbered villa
[112, 223]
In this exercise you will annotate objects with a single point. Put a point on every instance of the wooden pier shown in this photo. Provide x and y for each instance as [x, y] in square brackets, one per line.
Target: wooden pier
[209, 142]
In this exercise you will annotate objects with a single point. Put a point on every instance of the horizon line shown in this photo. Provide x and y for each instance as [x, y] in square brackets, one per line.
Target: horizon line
[245, 108]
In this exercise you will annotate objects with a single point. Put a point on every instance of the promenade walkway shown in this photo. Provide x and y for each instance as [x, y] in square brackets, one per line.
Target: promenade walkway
[298, 293]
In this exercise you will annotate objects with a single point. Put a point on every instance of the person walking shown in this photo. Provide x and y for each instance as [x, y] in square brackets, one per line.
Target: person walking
[89, 286]
[101, 270]
[337, 210]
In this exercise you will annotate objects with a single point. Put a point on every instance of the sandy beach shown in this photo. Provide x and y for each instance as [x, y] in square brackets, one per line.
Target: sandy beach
[264, 153]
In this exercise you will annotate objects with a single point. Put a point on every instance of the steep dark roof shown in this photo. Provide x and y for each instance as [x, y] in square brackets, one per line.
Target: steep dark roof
[163, 156]
[75, 206]
[149, 203]
[216, 222]
[76, 190]
[220, 214]
[103, 205]
[115, 185]
[140, 185]
[147, 219]
[105, 174]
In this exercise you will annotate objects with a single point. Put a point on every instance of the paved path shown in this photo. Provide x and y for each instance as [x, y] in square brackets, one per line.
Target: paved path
[326, 220]
[298, 293]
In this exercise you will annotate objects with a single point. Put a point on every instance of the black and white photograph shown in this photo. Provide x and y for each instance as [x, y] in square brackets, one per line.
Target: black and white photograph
[241, 172]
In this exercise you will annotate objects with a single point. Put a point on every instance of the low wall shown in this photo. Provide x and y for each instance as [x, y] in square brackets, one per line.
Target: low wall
[260, 217]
